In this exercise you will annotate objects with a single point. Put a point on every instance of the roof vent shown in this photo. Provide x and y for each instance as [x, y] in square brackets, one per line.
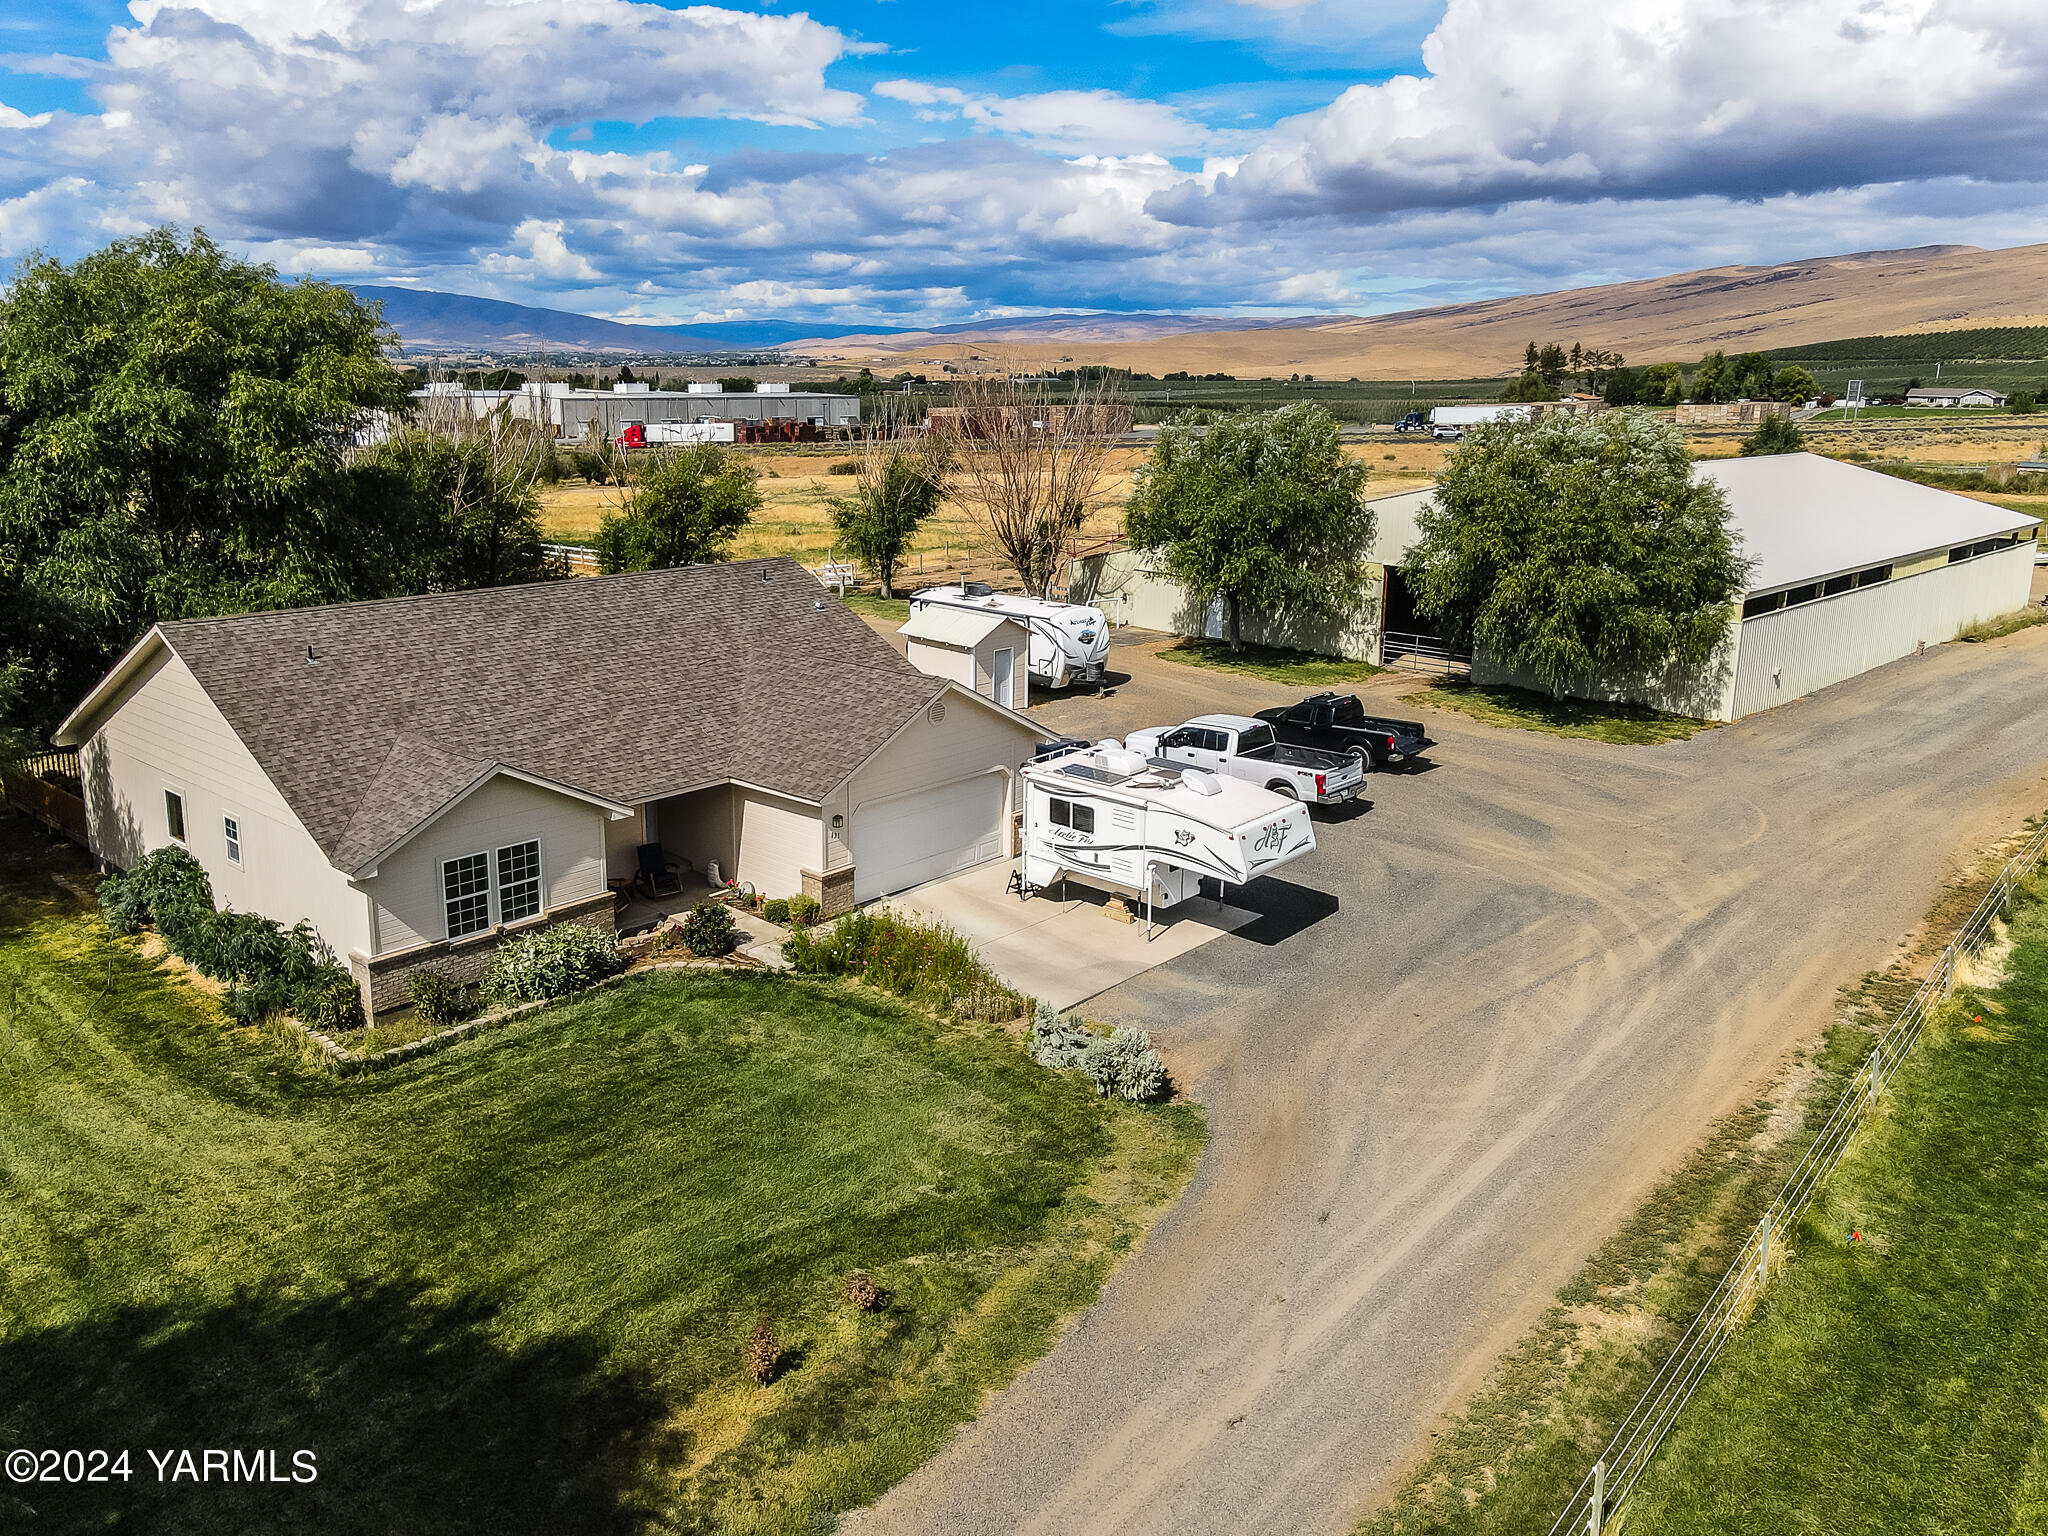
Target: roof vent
[312, 660]
[764, 575]
[818, 603]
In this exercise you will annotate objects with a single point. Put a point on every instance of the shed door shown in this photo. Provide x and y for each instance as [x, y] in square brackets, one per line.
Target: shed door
[927, 834]
[1000, 673]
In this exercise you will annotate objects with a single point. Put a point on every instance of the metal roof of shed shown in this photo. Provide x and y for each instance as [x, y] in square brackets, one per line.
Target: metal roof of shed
[1804, 518]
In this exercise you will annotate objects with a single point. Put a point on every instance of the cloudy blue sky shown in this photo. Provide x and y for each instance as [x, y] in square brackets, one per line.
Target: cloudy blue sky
[921, 161]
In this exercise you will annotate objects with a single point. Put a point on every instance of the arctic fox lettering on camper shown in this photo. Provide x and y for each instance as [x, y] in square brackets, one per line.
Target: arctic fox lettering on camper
[1150, 829]
[1069, 641]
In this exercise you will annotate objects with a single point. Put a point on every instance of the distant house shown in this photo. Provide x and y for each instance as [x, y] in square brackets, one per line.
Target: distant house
[1954, 396]
[420, 777]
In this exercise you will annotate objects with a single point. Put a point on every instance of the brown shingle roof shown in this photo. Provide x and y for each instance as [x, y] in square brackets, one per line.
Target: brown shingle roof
[625, 687]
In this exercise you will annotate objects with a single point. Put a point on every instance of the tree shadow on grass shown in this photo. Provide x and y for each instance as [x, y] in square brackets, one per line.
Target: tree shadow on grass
[420, 1418]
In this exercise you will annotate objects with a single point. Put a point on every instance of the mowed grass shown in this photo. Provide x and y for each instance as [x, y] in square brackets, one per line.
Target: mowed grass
[1519, 709]
[507, 1289]
[1294, 668]
[1900, 1382]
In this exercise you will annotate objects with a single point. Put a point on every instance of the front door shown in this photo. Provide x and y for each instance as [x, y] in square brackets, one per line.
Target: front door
[999, 673]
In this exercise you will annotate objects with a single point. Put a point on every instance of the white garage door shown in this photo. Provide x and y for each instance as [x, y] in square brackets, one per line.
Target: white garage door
[909, 839]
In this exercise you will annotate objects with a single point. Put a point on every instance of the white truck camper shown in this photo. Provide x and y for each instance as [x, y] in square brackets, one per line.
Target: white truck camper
[1069, 641]
[1149, 829]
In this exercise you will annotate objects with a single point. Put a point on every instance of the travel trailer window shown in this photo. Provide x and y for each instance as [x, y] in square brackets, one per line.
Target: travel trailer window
[1067, 814]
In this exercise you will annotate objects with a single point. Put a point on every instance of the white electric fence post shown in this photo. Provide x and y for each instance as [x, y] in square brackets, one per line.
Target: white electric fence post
[1596, 1506]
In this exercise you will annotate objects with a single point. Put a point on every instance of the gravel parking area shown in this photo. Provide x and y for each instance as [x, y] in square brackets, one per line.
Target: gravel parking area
[1456, 1046]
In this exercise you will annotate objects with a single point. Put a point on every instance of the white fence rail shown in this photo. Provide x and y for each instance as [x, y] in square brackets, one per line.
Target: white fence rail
[1615, 1474]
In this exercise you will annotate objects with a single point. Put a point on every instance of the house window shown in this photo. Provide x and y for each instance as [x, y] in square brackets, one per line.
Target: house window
[466, 887]
[518, 881]
[231, 834]
[174, 814]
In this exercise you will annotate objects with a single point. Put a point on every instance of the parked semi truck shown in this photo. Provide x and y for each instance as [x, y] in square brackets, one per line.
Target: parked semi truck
[1450, 421]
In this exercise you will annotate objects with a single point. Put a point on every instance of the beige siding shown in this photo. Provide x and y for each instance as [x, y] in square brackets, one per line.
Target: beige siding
[698, 830]
[779, 840]
[407, 886]
[163, 732]
[622, 840]
[956, 666]
[972, 739]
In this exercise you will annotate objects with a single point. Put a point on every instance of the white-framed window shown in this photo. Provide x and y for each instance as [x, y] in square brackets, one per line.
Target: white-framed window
[231, 834]
[466, 890]
[174, 815]
[518, 881]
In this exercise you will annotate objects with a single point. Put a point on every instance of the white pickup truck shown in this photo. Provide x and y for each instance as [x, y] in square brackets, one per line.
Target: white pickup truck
[1245, 748]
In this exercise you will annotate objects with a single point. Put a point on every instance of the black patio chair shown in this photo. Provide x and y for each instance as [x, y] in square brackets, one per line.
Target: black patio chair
[657, 876]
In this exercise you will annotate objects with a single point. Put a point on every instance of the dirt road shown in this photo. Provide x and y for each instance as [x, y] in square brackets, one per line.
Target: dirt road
[1465, 1038]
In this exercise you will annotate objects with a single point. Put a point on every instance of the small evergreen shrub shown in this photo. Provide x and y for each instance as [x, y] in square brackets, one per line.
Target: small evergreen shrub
[552, 962]
[439, 1001]
[776, 910]
[804, 910]
[763, 1356]
[710, 931]
[1123, 1065]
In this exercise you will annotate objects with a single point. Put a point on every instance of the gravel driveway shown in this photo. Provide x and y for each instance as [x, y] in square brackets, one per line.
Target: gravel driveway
[1464, 1038]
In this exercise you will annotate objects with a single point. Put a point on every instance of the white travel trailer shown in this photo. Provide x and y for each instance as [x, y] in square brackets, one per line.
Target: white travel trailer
[1152, 830]
[1069, 641]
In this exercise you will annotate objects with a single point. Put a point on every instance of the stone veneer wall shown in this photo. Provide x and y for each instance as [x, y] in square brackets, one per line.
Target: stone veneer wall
[386, 980]
[832, 890]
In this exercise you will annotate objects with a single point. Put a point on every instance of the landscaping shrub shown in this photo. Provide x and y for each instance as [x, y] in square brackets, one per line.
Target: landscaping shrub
[710, 931]
[439, 1001]
[268, 968]
[927, 962]
[1123, 1065]
[763, 1357]
[552, 962]
[804, 910]
[776, 910]
[1058, 1040]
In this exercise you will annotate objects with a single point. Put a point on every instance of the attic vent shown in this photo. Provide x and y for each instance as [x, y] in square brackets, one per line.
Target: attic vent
[312, 660]
[936, 713]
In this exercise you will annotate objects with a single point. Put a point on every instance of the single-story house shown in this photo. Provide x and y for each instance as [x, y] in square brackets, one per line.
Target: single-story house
[1954, 395]
[1851, 569]
[421, 776]
[986, 653]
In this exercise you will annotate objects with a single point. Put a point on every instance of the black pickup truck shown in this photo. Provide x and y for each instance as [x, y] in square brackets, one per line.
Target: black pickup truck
[1339, 723]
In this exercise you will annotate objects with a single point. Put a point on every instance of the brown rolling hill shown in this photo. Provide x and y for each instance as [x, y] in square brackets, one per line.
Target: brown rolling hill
[1677, 318]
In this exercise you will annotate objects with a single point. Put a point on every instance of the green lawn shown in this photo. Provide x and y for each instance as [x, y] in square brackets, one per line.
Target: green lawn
[507, 1289]
[874, 606]
[1900, 1383]
[1297, 669]
[1622, 724]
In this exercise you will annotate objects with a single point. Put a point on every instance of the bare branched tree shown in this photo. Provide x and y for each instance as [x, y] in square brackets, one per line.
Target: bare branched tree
[1030, 471]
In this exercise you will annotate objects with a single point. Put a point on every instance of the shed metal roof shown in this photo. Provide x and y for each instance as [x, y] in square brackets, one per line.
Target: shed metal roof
[962, 627]
[1804, 518]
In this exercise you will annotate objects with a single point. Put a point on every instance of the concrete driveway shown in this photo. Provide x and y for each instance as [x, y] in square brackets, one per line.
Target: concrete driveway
[1484, 1019]
[1063, 947]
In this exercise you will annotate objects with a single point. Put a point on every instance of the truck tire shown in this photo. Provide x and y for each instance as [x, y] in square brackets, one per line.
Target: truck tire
[1365, 760]
[1282, 787]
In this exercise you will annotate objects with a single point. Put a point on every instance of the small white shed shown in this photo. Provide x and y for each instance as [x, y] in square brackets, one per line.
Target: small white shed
[981, 651]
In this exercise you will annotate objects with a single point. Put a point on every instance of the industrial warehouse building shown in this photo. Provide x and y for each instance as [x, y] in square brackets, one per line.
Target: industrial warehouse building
[572, 412]
[1852, 569]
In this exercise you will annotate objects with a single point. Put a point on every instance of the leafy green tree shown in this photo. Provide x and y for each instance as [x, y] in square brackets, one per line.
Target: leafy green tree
[1753, 377]
[1262, 508]
[1551, 363]
[1660, 384]
[738, 384]
[900, 488]
[1574, 548]
[2021, 402]
[1713, 381]
[1530, 386]
[685, 507]
[1794, 385]
[1624, 386]
[1774, 434]
[172, 433]
[463, 509]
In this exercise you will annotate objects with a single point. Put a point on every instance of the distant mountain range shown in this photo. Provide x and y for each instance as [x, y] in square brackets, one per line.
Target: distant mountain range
[1679, 317]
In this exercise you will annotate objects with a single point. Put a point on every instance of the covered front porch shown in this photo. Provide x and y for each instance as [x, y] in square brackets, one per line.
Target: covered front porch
[708, 838]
